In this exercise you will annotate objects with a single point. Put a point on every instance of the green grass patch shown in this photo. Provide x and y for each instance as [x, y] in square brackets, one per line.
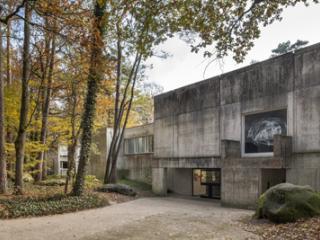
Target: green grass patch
[47, 205]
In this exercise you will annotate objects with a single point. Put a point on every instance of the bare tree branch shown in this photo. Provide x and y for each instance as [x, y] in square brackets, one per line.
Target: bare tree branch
[14, 13]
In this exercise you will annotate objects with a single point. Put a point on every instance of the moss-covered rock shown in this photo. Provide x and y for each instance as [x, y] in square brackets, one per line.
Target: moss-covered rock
[117, 188]
[286, 202]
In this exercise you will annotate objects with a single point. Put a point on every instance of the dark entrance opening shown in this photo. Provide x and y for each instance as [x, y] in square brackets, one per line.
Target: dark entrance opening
[206, 183]
[272, 177]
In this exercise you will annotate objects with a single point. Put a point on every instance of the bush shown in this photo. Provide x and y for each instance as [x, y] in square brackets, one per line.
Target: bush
[55, 204]
[27, 178]
[52, 182]
[287, 203]
[92, 182]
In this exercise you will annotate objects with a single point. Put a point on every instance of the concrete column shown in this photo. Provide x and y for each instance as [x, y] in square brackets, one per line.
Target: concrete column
[159, 181]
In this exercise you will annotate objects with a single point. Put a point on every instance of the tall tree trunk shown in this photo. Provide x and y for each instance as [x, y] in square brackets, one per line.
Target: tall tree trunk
[3, 163]
[9, 80]
[122, 111]
[94, 78]
[116, 106]
[74, 136]
[41, 167]
[21, 137]
[71, 163]
[47, 102]
[9, 137]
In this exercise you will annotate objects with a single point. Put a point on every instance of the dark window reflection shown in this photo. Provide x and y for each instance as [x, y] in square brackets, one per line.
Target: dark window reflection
[260, 129]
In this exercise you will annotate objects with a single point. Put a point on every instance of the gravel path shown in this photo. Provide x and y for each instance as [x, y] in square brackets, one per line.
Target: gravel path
[145, 218]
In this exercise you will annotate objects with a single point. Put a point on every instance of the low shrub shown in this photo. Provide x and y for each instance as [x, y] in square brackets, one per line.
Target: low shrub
[27, 178]
[56, 204]
[92, 182]
[52, 182]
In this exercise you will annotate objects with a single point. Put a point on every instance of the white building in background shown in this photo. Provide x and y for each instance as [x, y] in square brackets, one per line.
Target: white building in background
[98, 156]
[63, 159]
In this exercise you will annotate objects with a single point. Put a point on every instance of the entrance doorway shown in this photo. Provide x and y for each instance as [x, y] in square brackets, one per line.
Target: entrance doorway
[206, 183]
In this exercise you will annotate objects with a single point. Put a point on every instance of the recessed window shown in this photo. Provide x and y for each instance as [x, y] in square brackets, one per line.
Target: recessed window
[64, 164]
[260, 129]
[138, 145]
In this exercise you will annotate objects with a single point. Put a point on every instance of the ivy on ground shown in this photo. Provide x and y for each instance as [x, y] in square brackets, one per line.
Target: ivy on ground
[56, 204]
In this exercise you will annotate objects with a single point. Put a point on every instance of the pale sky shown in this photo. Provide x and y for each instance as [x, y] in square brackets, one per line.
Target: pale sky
[184, 67]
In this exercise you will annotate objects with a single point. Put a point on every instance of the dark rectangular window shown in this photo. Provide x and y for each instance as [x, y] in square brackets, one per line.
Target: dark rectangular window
[138, 145]
[64, 164]
[260, 129]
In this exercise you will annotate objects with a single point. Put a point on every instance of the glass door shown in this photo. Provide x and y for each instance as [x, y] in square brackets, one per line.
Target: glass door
[207, 183]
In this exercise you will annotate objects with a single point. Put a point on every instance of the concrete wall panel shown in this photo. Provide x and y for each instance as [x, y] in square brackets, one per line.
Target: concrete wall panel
[179, 180]
[198, 134]
[231, 122]
[164, 137]
[240, 186]
[307, 117]
[191, 98]
[307, 67]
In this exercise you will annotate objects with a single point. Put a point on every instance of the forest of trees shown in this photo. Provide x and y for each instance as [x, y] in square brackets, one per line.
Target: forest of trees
[68, 67]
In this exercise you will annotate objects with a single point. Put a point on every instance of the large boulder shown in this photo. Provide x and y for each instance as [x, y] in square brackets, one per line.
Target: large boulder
[117, 188]
[286, 202]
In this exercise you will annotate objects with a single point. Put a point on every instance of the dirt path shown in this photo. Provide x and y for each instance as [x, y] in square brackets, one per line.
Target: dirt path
[146, 218]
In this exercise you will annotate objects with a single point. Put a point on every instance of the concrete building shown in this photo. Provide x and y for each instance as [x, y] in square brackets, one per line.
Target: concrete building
[136, 154]
[60, 163]
[235, 135]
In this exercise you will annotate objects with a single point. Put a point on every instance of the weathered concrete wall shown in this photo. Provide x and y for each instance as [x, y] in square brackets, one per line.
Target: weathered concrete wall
[159, 181]
[191, 122]
[179, 180]
[271, 177]
[98, 155]
[240, 186]
[305, 165]
[139, 166]
[187, 121]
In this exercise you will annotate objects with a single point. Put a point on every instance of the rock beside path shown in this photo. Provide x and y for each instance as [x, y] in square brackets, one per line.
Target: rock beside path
[286, 202]
[118, 188]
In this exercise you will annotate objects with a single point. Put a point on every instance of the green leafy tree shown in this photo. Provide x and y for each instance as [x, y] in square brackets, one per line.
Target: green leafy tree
[287, 46]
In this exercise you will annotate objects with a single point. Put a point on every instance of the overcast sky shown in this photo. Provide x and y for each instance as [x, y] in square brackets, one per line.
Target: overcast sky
[184, 67]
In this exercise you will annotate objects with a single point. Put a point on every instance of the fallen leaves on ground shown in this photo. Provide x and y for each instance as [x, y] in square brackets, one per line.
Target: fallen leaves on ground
[308, 229]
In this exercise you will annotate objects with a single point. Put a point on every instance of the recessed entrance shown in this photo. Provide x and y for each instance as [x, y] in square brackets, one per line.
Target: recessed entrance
[206, 183]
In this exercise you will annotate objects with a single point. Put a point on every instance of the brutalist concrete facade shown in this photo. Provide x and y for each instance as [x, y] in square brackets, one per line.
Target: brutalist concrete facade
[136, 166]
[202, 126]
